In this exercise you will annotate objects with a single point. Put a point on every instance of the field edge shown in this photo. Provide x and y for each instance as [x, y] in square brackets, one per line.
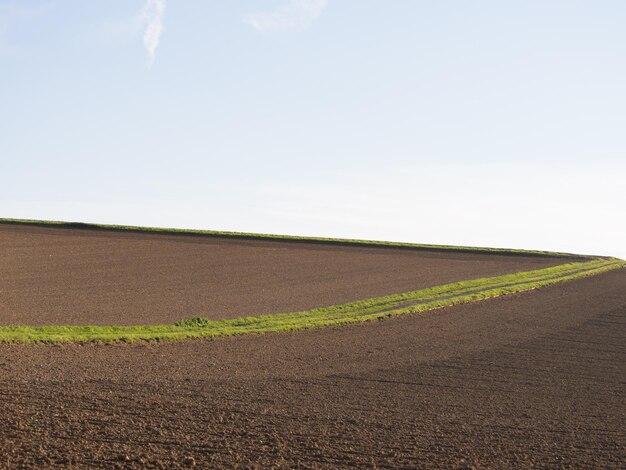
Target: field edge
[291, 238]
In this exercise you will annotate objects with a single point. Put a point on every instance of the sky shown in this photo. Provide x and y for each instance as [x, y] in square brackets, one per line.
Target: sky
[483, 123]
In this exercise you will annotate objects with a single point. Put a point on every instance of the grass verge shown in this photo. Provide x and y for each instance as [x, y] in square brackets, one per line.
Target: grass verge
[353, 312]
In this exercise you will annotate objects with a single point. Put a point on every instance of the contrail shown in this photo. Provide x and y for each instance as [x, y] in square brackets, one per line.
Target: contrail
[152, 16]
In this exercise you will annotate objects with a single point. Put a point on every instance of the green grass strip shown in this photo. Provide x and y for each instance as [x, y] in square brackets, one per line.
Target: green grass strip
[290, 238]
[352, 312]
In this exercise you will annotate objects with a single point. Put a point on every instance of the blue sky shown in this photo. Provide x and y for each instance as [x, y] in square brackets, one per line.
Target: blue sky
[490, 123]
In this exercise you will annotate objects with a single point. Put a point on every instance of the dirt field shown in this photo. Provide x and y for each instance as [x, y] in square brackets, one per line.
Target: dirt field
[52, 276]
[533, 380]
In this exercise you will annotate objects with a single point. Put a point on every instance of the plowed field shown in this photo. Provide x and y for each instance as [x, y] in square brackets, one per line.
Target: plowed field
[530, 380]
[55, 276]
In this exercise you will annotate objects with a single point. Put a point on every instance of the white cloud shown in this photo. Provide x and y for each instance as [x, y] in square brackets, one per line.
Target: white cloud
[152, 16]
[294, 15]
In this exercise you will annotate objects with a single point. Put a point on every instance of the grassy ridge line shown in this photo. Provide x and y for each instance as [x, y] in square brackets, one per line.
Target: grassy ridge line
[478, 284]
[290, 238]
[366, 310]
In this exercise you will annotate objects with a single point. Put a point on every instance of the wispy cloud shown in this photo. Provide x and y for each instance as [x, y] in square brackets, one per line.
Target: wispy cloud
[294, 15]
[152, 17]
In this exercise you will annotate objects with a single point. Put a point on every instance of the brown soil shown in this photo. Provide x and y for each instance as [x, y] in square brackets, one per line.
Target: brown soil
[52, 276]
[533, 380]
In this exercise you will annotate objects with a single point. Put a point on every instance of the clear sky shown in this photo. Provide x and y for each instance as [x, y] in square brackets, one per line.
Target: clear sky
[489, 123]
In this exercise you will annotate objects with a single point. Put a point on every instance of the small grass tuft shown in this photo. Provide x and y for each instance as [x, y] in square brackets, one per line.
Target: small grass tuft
[195, 322]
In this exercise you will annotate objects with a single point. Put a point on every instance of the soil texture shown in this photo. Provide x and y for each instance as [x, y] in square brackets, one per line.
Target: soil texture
[532, 380]
[57, 276]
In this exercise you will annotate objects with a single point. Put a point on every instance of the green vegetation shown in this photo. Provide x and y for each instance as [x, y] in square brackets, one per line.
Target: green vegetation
[353, 312]
[291, 238]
